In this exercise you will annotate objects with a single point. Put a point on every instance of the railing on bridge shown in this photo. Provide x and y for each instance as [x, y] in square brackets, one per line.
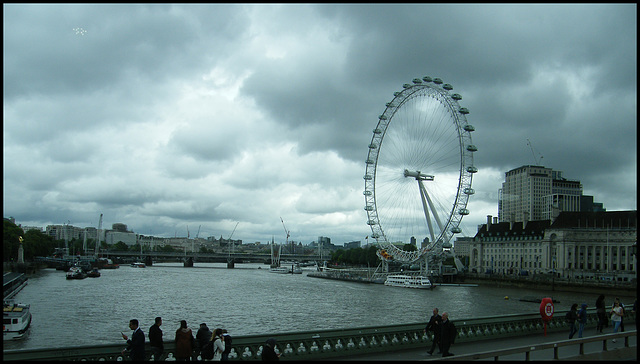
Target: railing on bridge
[322, 344]
[554, 346]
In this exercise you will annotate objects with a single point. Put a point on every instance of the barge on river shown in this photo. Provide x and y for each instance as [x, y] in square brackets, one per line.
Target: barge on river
[16, 320]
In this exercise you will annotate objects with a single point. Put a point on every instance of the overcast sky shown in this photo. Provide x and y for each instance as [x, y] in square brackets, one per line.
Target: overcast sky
[168, 117]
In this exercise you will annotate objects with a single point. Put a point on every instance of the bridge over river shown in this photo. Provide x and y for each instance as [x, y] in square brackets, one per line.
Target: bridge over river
[189, 258]
[504, 337]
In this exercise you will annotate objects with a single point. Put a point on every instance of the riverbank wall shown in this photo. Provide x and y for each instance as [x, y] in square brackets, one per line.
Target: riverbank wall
[610, 288]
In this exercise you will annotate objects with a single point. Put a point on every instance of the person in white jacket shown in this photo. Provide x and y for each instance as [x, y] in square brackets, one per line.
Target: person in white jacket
[218, 344]
[616, 316]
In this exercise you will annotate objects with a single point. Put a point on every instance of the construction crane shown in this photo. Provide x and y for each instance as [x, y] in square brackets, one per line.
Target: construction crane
[532, 152]
[99, 237]
[287, 240]
[230, 235]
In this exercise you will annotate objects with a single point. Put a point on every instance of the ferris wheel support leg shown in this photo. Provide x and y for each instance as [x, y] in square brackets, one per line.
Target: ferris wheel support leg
[426, 209]
[433, 209]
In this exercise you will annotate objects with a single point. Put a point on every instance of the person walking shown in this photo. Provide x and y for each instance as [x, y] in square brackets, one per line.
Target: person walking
[227, 345]
[184, 342]
[582, 319]
[269, 350]
[203, 341]
[602, 314]
[155, 340]
[447, 335]
[571, 317]
[136, 343]
[616, 316]
[621, 318]
[434, 326]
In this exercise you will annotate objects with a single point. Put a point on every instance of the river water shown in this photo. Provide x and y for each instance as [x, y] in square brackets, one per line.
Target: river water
[245, 300]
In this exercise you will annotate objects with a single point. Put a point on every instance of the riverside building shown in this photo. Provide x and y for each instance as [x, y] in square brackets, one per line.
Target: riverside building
[574, 246]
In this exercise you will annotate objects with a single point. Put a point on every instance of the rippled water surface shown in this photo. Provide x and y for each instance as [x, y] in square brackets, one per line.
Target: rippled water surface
[244, 300]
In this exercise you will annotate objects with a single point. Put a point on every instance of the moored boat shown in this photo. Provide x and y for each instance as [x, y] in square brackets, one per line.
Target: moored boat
[16, 320]
[281, 270]
[94, 273]
[401, 280]
[76, 273]
[106, 263]
[138, 265]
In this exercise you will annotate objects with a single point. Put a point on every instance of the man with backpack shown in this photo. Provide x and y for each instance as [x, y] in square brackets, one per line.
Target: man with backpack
[227, 344]
[571, 318]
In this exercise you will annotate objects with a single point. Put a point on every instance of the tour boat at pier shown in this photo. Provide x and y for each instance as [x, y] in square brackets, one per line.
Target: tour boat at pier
[16, 320]
[401, 280]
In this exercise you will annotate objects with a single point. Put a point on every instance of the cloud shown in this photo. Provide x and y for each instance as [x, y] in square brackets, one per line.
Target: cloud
[168, 116]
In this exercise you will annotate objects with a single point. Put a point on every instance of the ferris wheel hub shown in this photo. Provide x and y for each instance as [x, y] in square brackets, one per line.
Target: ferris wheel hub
[418, 176]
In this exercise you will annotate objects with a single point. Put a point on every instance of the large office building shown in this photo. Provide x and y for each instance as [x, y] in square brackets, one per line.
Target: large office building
[531, 193]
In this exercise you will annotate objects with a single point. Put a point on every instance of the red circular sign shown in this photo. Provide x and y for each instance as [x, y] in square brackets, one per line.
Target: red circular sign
[546, 309]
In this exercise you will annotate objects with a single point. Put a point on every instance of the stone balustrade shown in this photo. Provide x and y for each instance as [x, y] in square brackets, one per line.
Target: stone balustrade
[321, 344]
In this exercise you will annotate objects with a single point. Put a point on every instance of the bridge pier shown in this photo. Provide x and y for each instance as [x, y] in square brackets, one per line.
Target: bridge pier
[230, 263]
[188, 262]
[148, 261]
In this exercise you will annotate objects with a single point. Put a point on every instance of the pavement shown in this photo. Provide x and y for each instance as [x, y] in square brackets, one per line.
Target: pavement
[592, 351]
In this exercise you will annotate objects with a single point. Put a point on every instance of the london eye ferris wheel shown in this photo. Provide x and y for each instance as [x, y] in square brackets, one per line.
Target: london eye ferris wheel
[419, 170]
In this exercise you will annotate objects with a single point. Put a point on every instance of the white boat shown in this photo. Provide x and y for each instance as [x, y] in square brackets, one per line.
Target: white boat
[281, 270]
[76, 273]
[401, 280]
[16, 320]
[138, 265]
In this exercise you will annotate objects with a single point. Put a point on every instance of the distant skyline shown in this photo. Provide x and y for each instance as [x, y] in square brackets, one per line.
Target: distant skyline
[167, 116]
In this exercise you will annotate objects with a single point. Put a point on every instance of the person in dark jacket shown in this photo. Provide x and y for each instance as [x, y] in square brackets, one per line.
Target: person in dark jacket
[602, 314]
[434, 326]
[582, 319]
[155, 340]
[136, 343]
[227, 345]
[268, 350]
[184, 342]
[447, 334]
[572, 316]
[203, 338]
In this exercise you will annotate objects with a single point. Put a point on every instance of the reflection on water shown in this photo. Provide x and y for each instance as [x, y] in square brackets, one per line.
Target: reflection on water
[244, 300]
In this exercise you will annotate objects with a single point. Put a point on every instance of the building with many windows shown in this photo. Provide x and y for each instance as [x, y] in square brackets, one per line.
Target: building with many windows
[575, 245]
[531, 193]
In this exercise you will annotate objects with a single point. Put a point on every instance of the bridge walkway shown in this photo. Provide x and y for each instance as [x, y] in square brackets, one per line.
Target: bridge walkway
[592, 351]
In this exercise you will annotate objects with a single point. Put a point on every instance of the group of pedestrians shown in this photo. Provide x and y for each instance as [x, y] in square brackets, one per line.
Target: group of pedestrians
[206, 344]
[443, 333]
[615, 314]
